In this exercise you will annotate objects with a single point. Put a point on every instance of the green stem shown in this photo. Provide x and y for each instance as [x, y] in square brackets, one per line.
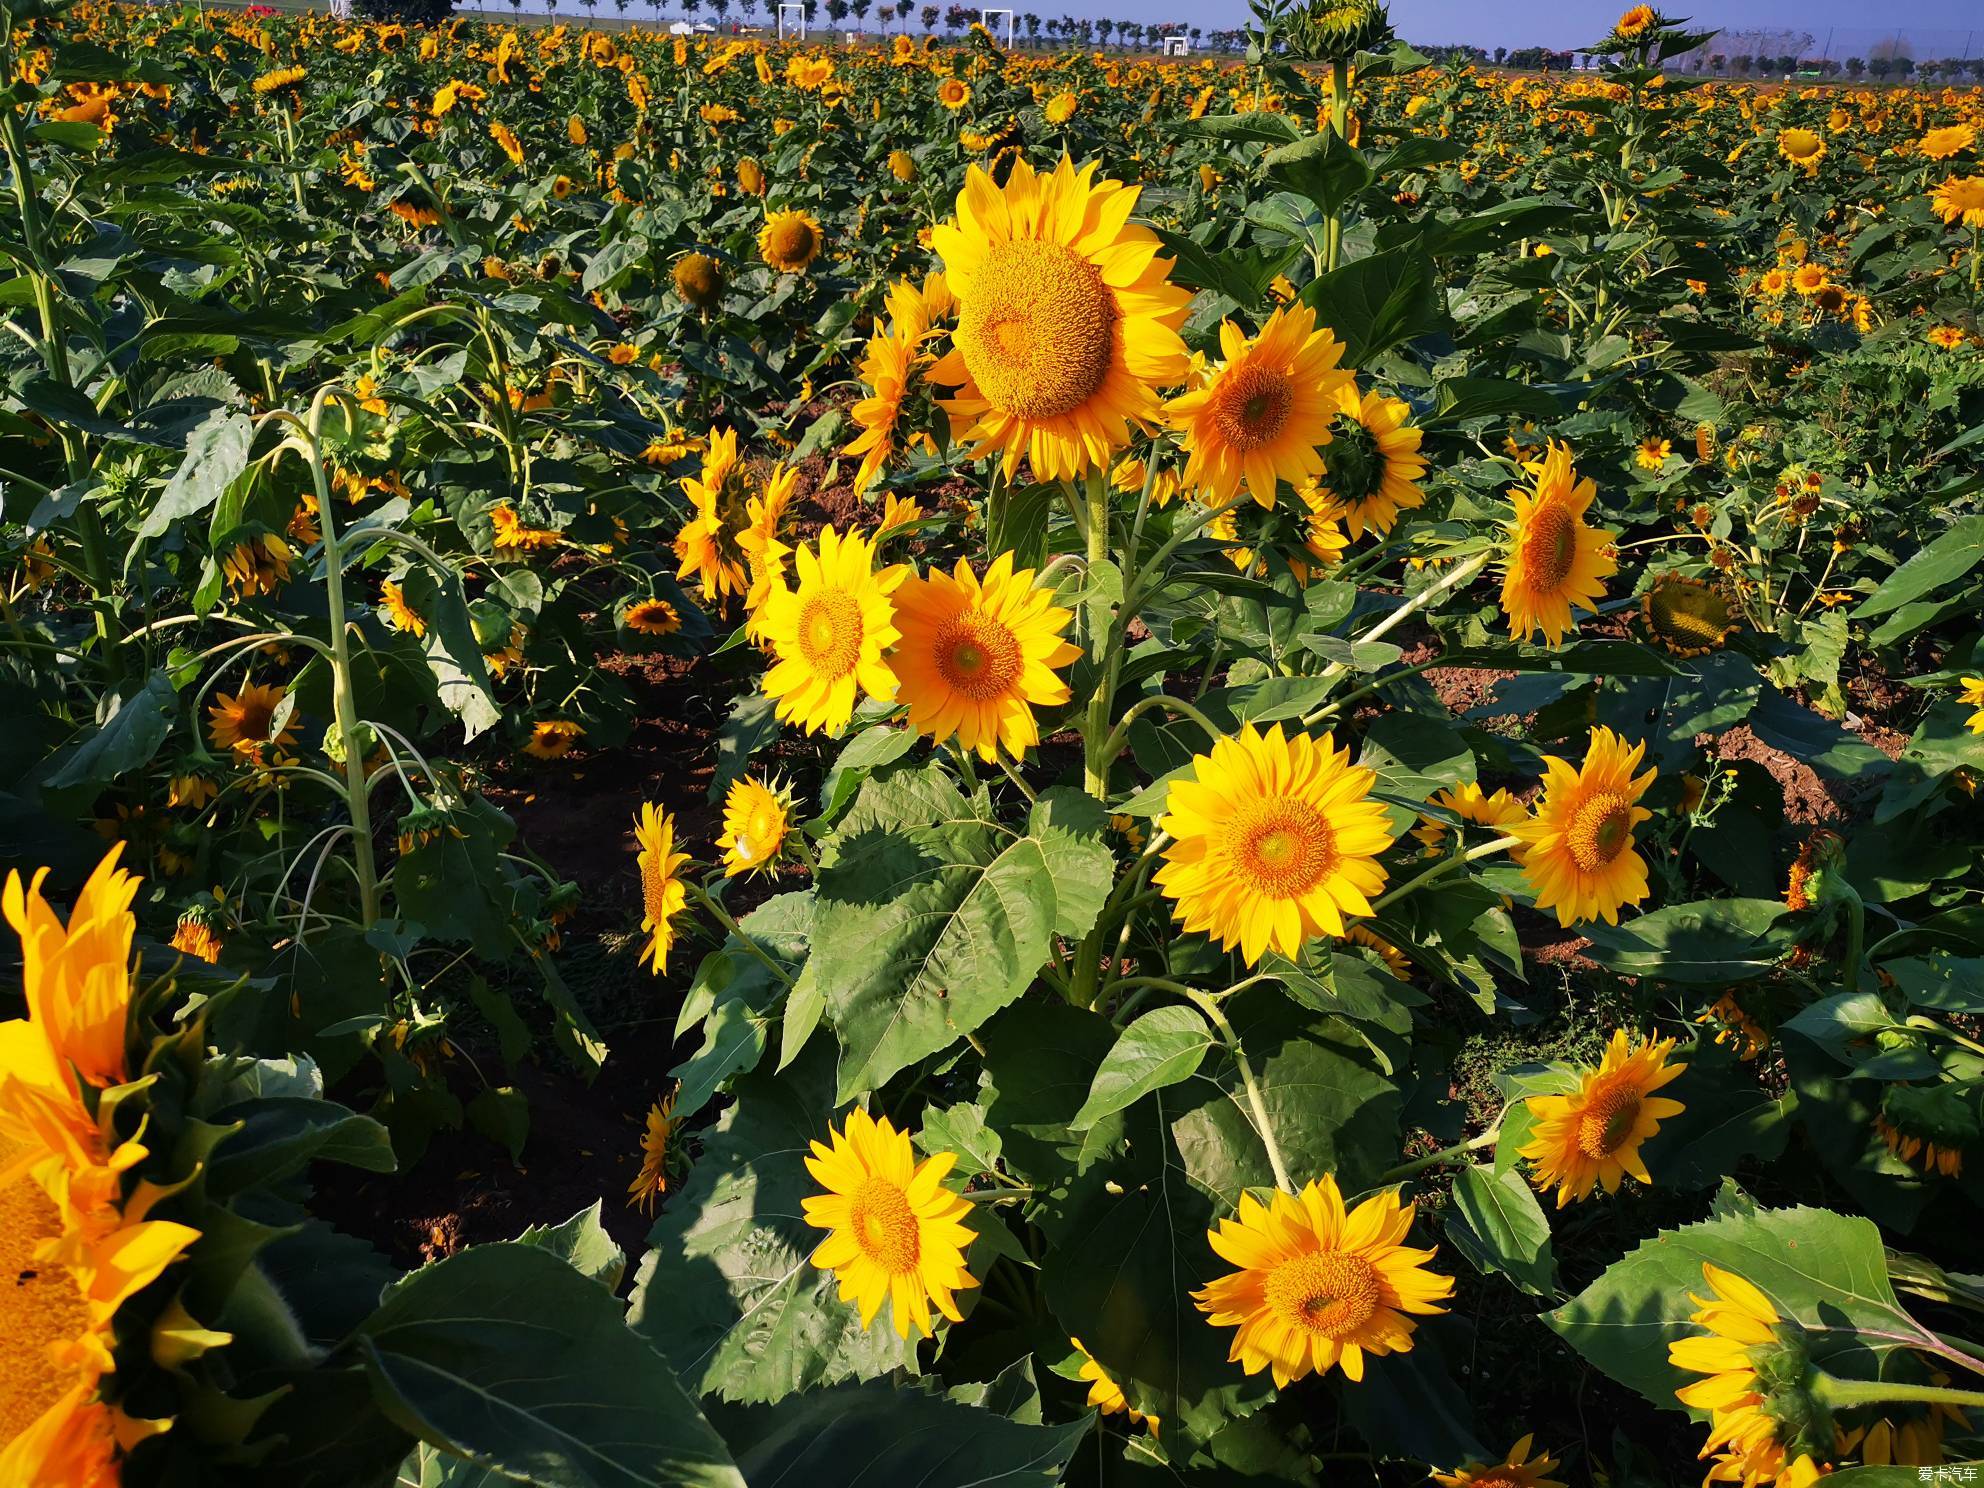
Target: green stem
[1119, 736]
[1446, 866]
[1340, 123]
[1251, 1084]
[738, 933]
[1831, 1390]
[1445, 1155]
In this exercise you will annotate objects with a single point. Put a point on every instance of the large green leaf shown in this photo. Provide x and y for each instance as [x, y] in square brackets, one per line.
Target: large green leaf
[1943, 742]
[1709, 941]
[125, 739]
[1498, 1225]
[1374, 303]
[1943, 560]
[505, 1355]
[1158, 1048]
[728, 1291]
[216, 452]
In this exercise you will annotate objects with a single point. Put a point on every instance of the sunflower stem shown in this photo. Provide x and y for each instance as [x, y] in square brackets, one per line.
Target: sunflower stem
[1445, 1155]
[1445, 866]
[737, 932]
[1248, 1080]
[1831, 1390]
[1398, 617]
[997, 1195]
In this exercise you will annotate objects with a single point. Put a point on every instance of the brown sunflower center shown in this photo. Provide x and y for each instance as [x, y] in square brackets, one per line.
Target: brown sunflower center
[1324, 1291]
[252, 719]
[1251, 405]
[1281, 846]
[1608, 1121]
[1601, 829]
[792, 240]
[1038, 332]
[654, 886]
[830, 633]
[885, 1226]
[1689, 614]
[44, 1306]
[978, 656]
[1550, 547]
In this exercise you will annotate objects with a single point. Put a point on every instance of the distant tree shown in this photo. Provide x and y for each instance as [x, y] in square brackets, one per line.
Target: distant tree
[903, 8]
[1855, 66]
[928, 15]
[1031, 20]
[1501, 55]
[861, 9]
[1880, 67]
[1193, 33]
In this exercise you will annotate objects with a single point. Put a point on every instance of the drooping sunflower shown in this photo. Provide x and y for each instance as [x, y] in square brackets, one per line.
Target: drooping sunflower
[977, 656]
[659, 1155]
[1593, 1136]
[830, 633]
[756, 819]
[1578, 853]
[1744, 1438]
[400, 615]
[652, 617]
[1472, 804]
[241, 722]
[1067, 319]
[894, 1231]
[256, 565]
[699, 280]
[1687, 616]
[1372, 467]
[1960, 199]
[1107, 1397]
[1804, 148]
[1519, 1469]
[195, 935]
[662, 894]
[1277, 840]
[790, 240]
[509, 533]
[706, 547]
[1319, 1286]
[1555, 561]
[1264, 415]
[887, 369]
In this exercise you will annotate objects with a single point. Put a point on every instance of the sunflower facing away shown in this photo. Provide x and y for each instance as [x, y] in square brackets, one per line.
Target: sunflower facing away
[1593, 1136]
[658, 1155]
[790, 240]
[1264, 414]
[662, 893]
[706, 547]
[1107, 1397]
[887, 367]
[1517, 1470]
[1578, 853]
[977, 656]
[1555, 560]
[1277, 841]
[895, 1232]
[241, 722]
[1687, 616]
[830, 632]
[756, 818]
[1373, 467]
[1319, 1286]
[1067, 320]
[1743, 1437]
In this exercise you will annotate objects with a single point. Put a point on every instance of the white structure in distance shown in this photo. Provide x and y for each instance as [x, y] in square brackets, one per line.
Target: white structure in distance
[1177, 46]
[799, 10]
[985, 20]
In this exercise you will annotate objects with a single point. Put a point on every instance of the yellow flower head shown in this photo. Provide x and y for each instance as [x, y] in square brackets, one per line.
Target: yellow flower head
[242, 722]
[1960, 199]
[1578, 853]
[790, 240]
[1687, 616]
[1518, 1469]
[830, 633]
[1804, 148]
[652, 617]
[1593, 1136]
[1555, 561]
[658, 1155]
[1372, 468]
[1319, 1286]
[553, 738]
[662, 894]
[1739, 1323]
[756, 819]
[1106, 1396]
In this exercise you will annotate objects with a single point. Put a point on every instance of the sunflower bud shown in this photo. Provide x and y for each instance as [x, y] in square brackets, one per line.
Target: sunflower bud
[1333, 29]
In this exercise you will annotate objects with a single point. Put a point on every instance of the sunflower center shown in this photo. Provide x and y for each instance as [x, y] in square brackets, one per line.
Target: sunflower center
[1284, 847]
[1551, 546]
[44, 1306]
[654, 885]
[1691, 614]
[1608, 1121]
[1038, 333]
[792, 240]
[1601, 829]
[885, 1226]
[1252, 404]
[255, 718]
[1323, 1291]
[830, 633]
[978, 656]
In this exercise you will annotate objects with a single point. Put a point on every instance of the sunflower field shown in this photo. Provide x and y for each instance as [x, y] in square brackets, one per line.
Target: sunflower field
[753, 764]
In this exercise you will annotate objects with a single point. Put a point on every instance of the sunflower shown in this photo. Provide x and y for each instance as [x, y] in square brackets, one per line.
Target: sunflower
[706, 547]
[1804, 148]
[1808, 278]
[1687, 616]
[652, 617]
[698, 279]
[887, 368]
[663, 895]
[953, 93]
[829, 634]
[1652, 452]
[1555, 560]
[1593, 1136]
[763, 549]
[1060, 108]
[1277, 840]
[241, 722]
[194, 935]
[790, 240]
[1925, 1152]
[1264, 414]
[553, 738]
[1960, 199]
[1735, 1027]
[508, 532]
[1941, 144]
[1396, 961]
[1067, 319]
[756, 819]
[256, 565]
[1106, 1396]
[1972, 695]
[1518, 1469]
[1470, 803]
[1947, 337]
[977, 656]
[279, 79]
[894, 1230]
[1744, 1438]
[1634, 24]
[1373, 465]
[1319, 1286]
[1578, 855]
[398, 613]
[1773, 283]
[658, 1155]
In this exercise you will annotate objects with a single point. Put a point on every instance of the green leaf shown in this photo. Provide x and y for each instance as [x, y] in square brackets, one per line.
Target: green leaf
[281, 1135]
[1943, 742]
[216, 452]
[1414, 757]
[1040, 1062]
[502, 1114]
[1158, 1048]
[453, 655]
[595, 1408]
[1324, 167]
[1708, 941]
[961, 1129]
[727, 1290]
[582, 1243]
[733, 1040]
[1458, 399]
[1498, 1225]
[1728, 1117]
[126, 740]
[1374, 303]
[1943, 560]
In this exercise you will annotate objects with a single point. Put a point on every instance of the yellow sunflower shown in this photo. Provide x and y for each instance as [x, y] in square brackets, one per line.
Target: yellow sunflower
[790, 240]
[1470, 803]
[194, 935]
[508, 532]
[953, 93]
[258, 565]
[1593, 1136]
[1634, 24]
[1319, 1286]
[1652, 452]
[1687, 616]
[829, 634]
[1578, 852]
[1277, 840]
[1808, 278]
[652, 617]
[1741, 1324]
[398, 613]
[756, 819]
[1960, 199]
[1555, 561]
[662, 894]
[1804, 148]
[658, 1155]
[764, 550]
[894, 1231]
[1067, 319]
[1373, 467]
[241, 722]
[1941, 144]
[1518, 1469]
[553, 738]
[698, 279]
[706, 547]
[1264, 414]
[1107, 1397]
[887, 368]
[977, 656]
